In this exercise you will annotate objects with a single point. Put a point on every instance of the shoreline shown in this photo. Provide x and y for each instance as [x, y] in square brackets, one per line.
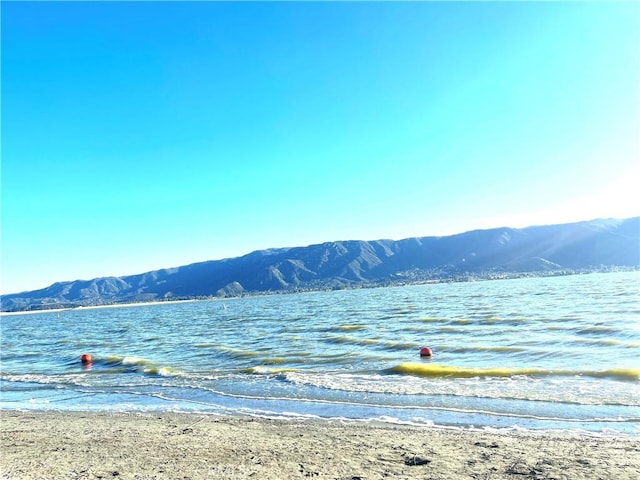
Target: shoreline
[96, 307]
[74, 445]
[385, 284]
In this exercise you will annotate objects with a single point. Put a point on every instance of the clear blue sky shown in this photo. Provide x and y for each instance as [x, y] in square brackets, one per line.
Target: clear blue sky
[139, 136]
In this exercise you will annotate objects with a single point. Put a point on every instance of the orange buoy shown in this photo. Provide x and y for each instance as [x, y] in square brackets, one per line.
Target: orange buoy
[86, 359]
[425, 352]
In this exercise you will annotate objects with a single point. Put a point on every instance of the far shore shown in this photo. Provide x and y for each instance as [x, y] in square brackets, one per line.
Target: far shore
[85, 445]
[94, 307]
[463, 278]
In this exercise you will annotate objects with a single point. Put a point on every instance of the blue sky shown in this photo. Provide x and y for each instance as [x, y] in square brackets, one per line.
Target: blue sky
[139, 136]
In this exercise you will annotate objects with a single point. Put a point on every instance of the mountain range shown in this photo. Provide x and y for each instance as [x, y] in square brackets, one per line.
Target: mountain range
[494, 253]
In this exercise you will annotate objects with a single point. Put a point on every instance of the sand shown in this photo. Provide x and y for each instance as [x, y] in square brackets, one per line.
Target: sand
[74, 445]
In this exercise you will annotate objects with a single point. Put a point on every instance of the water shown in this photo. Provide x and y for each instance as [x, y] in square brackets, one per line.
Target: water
[534, 353]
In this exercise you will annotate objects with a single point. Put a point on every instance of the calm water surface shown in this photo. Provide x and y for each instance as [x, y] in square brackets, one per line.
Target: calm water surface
[534, 353]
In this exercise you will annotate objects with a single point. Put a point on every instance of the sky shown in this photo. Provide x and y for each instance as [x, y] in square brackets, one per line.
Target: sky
[147, 135]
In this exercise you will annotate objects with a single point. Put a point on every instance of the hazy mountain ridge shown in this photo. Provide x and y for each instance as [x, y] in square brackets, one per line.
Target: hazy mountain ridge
[479, 253]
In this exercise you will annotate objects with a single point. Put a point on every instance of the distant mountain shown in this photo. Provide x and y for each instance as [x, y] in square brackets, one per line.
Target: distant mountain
[494, 253]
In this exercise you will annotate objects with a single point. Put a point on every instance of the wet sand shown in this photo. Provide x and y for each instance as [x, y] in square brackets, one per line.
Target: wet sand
[78, 445]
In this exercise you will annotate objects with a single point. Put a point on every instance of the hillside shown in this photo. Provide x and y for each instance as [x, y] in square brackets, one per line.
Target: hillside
[490, 253]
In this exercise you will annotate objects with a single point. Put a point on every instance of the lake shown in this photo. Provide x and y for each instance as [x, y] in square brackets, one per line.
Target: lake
[559, 353]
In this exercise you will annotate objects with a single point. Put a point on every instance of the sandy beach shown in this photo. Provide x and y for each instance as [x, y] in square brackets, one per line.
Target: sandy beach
[77, 445]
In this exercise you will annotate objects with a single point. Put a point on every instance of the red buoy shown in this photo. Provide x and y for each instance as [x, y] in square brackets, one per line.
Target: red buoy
[425, 352]
[86, 359]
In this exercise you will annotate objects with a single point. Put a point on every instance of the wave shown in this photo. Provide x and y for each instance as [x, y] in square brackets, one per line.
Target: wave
[484, 348]
[43, 379]
[391, 408]
[529, 390]
[605, 342]
[261, 370]
[345, 339]
[368, 342]
[137, 364]
[236, 352]
[439, 371]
